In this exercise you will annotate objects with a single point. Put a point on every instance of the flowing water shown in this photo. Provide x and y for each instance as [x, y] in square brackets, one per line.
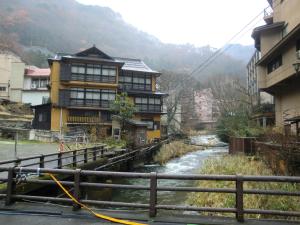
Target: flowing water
[187, 164]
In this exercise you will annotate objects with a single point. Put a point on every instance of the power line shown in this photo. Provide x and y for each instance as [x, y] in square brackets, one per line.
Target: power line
[225, 47]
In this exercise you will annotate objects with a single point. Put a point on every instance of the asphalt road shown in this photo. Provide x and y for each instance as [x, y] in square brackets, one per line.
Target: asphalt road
[7, 149]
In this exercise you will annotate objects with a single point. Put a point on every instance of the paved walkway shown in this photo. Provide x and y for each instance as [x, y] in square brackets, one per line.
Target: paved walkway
[41, 214]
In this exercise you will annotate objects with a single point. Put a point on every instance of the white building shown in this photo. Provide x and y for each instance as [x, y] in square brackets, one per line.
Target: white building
[35, 89]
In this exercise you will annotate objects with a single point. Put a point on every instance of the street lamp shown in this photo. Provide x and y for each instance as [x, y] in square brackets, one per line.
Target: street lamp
[296, 67]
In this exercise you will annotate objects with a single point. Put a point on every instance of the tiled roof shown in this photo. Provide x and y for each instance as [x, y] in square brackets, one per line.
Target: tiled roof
[33, 71]
[135, 65]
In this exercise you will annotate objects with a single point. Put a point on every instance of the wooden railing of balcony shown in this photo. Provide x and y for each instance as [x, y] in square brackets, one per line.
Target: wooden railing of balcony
[83, 119]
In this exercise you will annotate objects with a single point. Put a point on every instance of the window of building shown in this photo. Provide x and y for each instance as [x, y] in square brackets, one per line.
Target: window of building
[2, 88]
[274, 64]
[298, 45]
[94, 73]
[78, 68]
[39, 82]
[134, 81]
[148, 104]
[92, 97]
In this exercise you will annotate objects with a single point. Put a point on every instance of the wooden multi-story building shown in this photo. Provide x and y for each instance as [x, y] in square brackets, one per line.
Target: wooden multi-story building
[84, 85]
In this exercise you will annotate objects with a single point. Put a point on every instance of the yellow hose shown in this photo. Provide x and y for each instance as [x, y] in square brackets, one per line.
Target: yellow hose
[111, 219]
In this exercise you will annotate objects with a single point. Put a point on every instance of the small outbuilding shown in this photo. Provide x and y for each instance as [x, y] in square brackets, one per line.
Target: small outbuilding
[134, 131]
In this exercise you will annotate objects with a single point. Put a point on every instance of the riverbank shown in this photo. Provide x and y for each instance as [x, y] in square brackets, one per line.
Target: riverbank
[240, 164]
[173, 150]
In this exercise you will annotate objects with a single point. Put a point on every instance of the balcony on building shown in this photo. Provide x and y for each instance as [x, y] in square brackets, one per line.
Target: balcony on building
[268, 15]
[80, 117]
[86, 98]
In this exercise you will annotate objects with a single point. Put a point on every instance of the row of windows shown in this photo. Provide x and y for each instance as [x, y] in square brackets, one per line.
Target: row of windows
[92, 69]
[148, 104]
[96, 94]
[39, 83]
[136, 80]
[91, 97]
[135, 83]
[154, 101]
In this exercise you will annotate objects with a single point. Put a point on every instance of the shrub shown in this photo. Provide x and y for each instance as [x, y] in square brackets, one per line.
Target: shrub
[173, 150]
[232, 165]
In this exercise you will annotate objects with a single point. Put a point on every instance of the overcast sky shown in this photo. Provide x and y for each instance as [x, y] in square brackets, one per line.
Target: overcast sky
[198, 22]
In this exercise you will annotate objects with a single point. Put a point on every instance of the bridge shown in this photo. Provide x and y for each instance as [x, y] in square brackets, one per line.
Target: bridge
[68, 170]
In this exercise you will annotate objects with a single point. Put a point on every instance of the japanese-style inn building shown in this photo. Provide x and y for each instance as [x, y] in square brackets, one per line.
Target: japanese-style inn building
[83, 86]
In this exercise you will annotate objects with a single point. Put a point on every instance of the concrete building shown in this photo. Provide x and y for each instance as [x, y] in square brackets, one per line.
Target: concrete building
[206, 108]
[11, 76]
[277, 70]
[35, 88]
[262, 102]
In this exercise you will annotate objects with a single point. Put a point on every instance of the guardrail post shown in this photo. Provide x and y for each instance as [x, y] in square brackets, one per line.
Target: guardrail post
[85, 156]
[76, 188]
[102, 151]
[11, 186]
[74, 158]
[239, 199]
[94, 154]
[153, 194]
[59, 160]
[17, 162]
[42, 161]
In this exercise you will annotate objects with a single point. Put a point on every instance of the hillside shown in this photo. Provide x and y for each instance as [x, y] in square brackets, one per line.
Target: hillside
[67, 26]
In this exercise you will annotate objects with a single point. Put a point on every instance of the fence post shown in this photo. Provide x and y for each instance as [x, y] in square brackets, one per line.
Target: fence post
[76, 188]
[42, 161]
[94, 154]
[153, 194]
[102, 151]
[17, 162]
[239, 199]
[74, 158]
[59, 161]
[11, 185]
[85, 156]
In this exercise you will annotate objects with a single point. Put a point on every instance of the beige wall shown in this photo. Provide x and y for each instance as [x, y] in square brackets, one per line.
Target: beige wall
[288, 11]
[287, 105]
[11, 72]
[266, 80]
[269, 39]
[16, 81]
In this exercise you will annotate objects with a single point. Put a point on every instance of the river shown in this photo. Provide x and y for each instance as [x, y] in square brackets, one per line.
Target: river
[189, 163]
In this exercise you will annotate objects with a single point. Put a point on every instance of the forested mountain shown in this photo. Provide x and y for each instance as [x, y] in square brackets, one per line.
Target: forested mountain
[68, 26]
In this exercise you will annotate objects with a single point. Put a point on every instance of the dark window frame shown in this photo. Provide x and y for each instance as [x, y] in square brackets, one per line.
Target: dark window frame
[94, 77]
[91, 101]
[3, 89]
[274, 64]
[139, 86]
[147, 106]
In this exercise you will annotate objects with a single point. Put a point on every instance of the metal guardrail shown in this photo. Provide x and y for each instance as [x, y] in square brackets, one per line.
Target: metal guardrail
[61, 159]
[79, 177]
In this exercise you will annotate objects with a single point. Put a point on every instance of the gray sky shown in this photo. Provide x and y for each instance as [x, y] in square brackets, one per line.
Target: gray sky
[198, 22]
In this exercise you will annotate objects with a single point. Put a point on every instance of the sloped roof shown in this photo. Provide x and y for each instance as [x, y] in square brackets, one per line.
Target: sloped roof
[259, 29]
[33, 71]
[135, 65]
[94, 53]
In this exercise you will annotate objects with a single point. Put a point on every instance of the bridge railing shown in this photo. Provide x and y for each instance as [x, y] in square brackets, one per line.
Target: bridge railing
[59, 159]
[79, 183]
